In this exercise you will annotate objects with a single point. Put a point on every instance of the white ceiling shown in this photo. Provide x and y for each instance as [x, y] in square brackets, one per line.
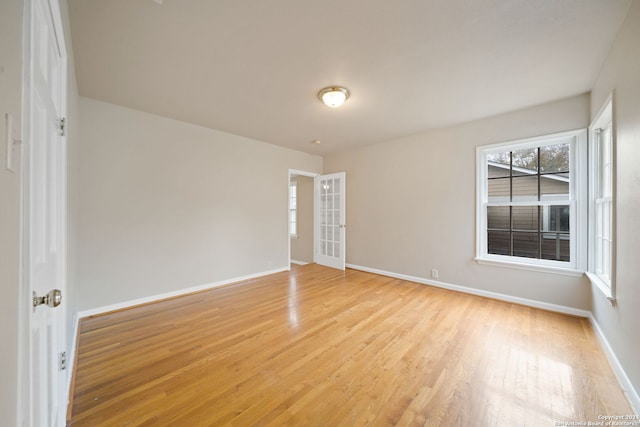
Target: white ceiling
[253, 68]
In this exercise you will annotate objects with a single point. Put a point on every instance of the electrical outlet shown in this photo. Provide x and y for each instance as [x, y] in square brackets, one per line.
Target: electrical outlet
[434, 274]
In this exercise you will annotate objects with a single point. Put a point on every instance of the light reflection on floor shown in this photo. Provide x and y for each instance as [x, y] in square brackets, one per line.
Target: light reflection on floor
[292, 302]
[511, 383]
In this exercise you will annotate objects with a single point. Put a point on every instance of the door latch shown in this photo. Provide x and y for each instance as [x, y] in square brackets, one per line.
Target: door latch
[52, 299]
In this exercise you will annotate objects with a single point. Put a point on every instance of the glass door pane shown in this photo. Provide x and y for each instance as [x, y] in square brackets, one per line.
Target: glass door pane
[330, 215]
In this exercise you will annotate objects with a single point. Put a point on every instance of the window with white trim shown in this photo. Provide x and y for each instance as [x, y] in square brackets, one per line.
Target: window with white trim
[293, 208]
[600, 270]
[531, 209]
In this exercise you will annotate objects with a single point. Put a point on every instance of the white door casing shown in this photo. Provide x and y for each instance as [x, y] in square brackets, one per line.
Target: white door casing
[44, 223]
[330, 241]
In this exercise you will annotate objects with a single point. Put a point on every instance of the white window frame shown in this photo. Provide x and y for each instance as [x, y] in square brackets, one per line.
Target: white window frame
[293, 210]
[601, 267]
[577, 203]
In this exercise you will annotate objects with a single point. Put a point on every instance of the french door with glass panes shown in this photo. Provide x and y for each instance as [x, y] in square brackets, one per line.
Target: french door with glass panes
[330, 220]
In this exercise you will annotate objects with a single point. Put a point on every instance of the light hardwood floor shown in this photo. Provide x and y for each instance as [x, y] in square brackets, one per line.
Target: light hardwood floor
[318, 346]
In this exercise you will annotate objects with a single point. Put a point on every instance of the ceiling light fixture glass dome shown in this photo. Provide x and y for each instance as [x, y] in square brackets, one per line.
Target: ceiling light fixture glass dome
[333, 96]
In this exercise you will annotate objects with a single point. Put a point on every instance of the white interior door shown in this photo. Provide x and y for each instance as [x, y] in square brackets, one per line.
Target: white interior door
[45, 214]
[330, 220]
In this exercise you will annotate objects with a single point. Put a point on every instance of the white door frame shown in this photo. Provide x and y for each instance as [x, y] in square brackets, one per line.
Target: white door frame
[24, 392]
[295, 172]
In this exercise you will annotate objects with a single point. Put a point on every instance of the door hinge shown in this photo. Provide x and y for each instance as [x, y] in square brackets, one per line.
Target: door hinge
[62, 126]
[63, 361]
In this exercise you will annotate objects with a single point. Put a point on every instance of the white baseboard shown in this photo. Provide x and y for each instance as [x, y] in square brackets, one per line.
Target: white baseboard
[503, 297]
[295, 261]
[623, 379]
[154, 298]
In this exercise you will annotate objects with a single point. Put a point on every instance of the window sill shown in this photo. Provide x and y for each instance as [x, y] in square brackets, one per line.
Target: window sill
[530, 267]
[604, 289]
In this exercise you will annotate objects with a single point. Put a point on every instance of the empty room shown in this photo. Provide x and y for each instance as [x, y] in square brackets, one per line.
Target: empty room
[327, 213]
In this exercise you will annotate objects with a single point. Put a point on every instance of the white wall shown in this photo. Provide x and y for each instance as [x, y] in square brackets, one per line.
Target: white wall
[411, 204]
[10, 102]
[166, 205]
[621, 73]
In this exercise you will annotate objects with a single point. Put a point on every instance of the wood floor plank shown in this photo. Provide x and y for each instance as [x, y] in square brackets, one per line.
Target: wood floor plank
[317, 346]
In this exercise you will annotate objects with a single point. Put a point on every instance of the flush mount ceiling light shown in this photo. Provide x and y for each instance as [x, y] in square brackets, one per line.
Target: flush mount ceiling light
[333, 96]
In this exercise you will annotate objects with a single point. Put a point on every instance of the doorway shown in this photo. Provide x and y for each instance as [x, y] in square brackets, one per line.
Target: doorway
[323, 206]
[301, 222]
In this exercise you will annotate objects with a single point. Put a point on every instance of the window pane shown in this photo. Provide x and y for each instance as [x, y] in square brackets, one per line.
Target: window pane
[554, 186]
[554, 158]
[557, 218]
[525, 245]
[525, 162]
[606, 219]
[527, 198]
[525, 188]
[526, 218]
[499, 189]
[498, 165]
[498, 242]
[604, 163]
[555, 246]
[498, 217]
